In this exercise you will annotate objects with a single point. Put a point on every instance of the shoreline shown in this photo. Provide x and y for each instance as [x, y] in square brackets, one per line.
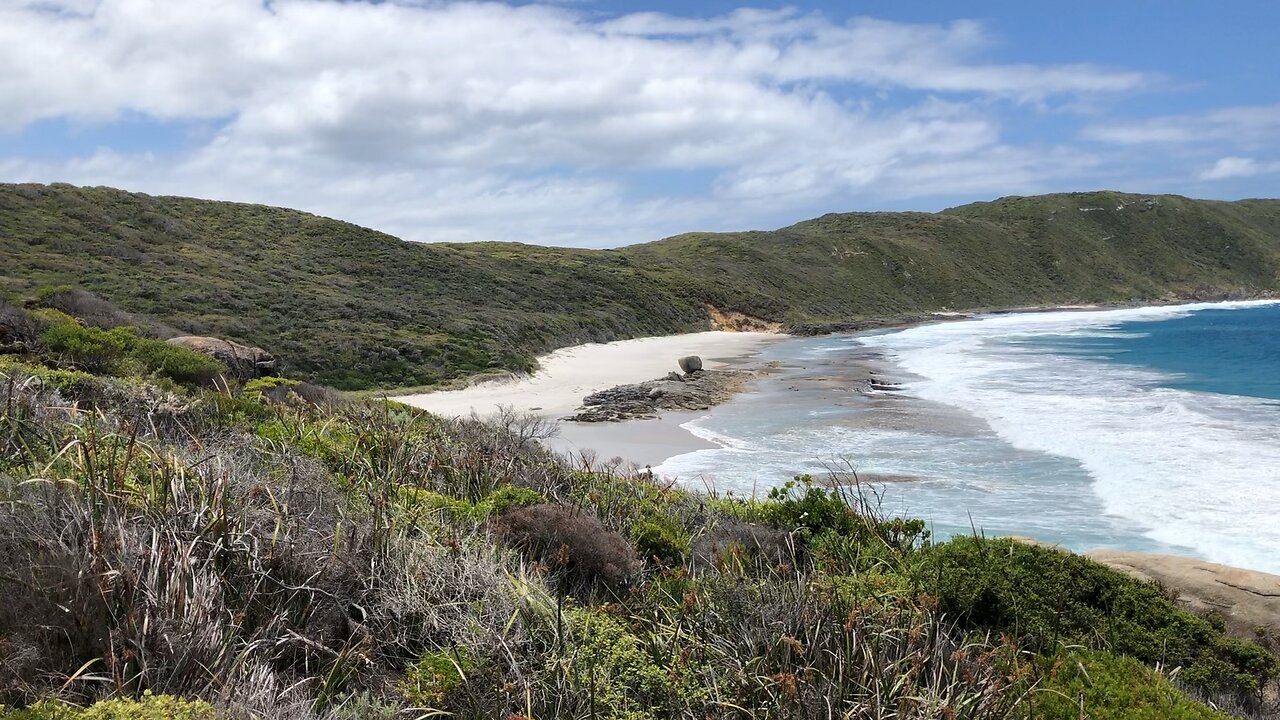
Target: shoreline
[635, 444]
[631, 444]
[909, 320]
[567, 375]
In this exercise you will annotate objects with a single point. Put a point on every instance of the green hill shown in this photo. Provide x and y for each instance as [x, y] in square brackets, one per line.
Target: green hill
[355, 308]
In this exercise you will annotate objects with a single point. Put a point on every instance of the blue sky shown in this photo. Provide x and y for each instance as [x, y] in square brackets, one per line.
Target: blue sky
[604, 123]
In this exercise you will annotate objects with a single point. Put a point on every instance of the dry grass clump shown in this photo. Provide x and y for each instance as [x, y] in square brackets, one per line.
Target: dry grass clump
[731, 544]
[33, 418]
[204, 561]
[806, 650]
[437, 597]
[155, 569]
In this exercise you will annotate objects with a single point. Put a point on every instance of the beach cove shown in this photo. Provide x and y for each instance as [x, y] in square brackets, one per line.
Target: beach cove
[946, 447]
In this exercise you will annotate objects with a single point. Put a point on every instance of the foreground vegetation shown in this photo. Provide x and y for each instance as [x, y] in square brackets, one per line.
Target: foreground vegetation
[353, 308]
[271, 550]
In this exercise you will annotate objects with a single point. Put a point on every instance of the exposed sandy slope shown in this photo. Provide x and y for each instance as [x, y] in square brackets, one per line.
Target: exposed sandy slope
[567, 375]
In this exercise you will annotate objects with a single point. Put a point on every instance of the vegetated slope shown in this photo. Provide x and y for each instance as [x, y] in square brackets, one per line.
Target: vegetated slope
[355, 308]
[338, 303]
[270, 550]
[1078, 247]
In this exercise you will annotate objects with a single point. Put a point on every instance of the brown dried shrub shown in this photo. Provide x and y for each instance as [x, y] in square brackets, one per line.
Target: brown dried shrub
[571, 541]
[18, 330]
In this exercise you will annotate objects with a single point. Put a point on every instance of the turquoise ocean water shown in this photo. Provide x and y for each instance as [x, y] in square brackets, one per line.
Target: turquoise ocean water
[1146, 428]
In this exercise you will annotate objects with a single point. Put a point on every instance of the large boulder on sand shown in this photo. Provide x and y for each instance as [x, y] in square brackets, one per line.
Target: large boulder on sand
[1248, 600]
[244, 361]
[690, 364]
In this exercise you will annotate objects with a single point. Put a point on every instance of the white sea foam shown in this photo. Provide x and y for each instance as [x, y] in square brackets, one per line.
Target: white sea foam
[1199, 470]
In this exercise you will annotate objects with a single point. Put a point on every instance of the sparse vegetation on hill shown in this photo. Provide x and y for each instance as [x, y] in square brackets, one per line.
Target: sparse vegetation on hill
[271, 550]
[353, 308]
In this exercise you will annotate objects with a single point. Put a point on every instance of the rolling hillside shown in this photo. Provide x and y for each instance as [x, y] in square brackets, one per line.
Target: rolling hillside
[355, 308]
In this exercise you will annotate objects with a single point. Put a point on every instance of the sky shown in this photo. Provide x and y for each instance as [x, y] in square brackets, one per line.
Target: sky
[599, 123]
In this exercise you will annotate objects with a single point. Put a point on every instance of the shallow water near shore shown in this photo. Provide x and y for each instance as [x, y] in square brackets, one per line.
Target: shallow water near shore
[1151, 429]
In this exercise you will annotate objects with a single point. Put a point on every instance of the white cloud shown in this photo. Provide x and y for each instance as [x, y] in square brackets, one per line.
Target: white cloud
[1246, 126]
[467, 120]
[1239, 167]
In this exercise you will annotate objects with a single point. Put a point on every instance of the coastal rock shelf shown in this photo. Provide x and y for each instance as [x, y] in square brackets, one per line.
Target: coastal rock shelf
[1247, 600]
[697, 390]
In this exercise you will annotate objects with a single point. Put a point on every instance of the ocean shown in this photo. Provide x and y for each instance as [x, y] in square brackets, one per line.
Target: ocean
[1146, 429]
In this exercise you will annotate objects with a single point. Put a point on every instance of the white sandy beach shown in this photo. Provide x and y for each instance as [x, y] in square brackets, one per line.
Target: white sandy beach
[567, 375]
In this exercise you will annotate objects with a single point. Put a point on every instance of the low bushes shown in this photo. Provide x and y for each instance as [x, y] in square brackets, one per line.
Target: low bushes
[120, 351]
[1051, 598]
[838, 527]
[181, 365]
[1104, 686]
[429, 681]
[608, 664]
[88, 348]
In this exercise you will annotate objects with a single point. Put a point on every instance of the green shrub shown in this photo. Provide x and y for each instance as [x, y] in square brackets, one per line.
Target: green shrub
[269, 388]
[508, 497]
[1056, 597]
[179, 364]
[412, 501]
[70, 383]
[607, 661]
[660, 538]
[1104, 686]
[834, 525]
[44, 292]
[148, 707]
[46, 318]
[428, 681]
[88, 348]
[332, 442]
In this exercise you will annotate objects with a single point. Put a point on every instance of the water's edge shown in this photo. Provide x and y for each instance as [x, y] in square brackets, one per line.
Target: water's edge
[1009, 438]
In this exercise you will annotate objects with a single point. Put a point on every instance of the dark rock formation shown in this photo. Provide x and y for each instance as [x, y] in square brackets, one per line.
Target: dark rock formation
[696, 391]
[244, 361]
[690, 364]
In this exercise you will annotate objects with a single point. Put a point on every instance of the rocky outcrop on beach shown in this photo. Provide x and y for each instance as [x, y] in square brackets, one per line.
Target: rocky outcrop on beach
[690, 364]
[1248, 600]
[696, 390]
